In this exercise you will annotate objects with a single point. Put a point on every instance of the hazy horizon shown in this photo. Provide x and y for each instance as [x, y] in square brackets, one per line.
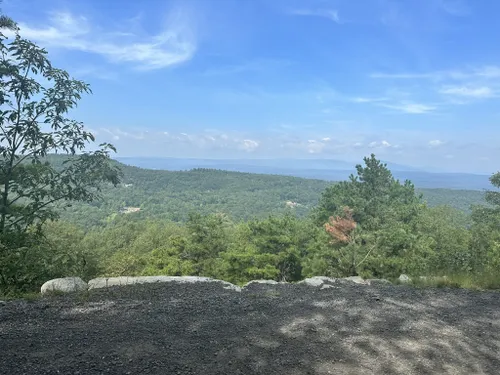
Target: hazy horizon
[312, 163]
[349, 164]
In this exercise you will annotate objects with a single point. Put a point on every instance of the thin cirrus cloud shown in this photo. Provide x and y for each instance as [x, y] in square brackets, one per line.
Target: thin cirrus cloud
[457, 8]
[436, 143]
[253, 66]
[175, 44]
[454, 86]
[331, 14]
[411, 108]
[488, 72]
[398, 106]
[361, 99]
[467, 91]
[95, 71]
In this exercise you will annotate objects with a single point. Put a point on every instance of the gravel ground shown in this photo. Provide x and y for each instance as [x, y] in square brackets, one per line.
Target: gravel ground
[266, 329]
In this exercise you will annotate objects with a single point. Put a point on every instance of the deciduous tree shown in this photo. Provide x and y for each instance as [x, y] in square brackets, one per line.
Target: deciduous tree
[35, 100]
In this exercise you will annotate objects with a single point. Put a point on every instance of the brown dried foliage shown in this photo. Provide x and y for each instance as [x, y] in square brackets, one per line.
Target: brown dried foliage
[340, 227]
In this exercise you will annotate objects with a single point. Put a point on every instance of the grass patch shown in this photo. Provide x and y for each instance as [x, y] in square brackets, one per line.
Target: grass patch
[28, 296]
[81, 296]
[484, 281]
[272, 294]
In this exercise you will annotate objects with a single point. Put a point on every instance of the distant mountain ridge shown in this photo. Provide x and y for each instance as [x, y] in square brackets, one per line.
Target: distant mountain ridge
[323, 169]
[171, 195]
[191, 163]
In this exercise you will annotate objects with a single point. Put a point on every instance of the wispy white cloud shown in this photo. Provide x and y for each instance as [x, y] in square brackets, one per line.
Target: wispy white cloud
[213, 141]
[315, 148]
[118, 134]
[404, 75]
[368, 100]
[258, 65]
[455, 87]
[331, 14]
[175, 44]
[379, 144]
[455, 7]
[436, 143]
[411, 108]
[467, 91]
[249, 145]
[95, 72]
[196, 140]
[488, 71]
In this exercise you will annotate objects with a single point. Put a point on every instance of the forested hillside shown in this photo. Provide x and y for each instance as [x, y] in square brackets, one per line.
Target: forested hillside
[238, 227]
[173, 194]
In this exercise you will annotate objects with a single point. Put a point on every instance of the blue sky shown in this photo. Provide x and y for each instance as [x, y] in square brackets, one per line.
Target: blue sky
[416, 82]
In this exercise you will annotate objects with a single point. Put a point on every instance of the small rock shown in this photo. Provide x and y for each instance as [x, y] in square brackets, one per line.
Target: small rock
[317, 281]
[404, 278]
[327, 286]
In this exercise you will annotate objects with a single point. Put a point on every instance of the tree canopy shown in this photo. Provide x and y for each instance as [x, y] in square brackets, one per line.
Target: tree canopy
[34, 123]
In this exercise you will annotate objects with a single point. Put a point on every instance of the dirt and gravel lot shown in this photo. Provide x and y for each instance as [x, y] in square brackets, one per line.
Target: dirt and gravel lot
[265, 329]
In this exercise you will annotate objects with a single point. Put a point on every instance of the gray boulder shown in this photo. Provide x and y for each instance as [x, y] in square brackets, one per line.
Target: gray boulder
[318, 281]
[64, 285]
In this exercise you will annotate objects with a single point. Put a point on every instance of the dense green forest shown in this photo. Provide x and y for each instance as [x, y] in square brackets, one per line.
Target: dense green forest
[371, 225]
[242, 196]
[83, 214]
